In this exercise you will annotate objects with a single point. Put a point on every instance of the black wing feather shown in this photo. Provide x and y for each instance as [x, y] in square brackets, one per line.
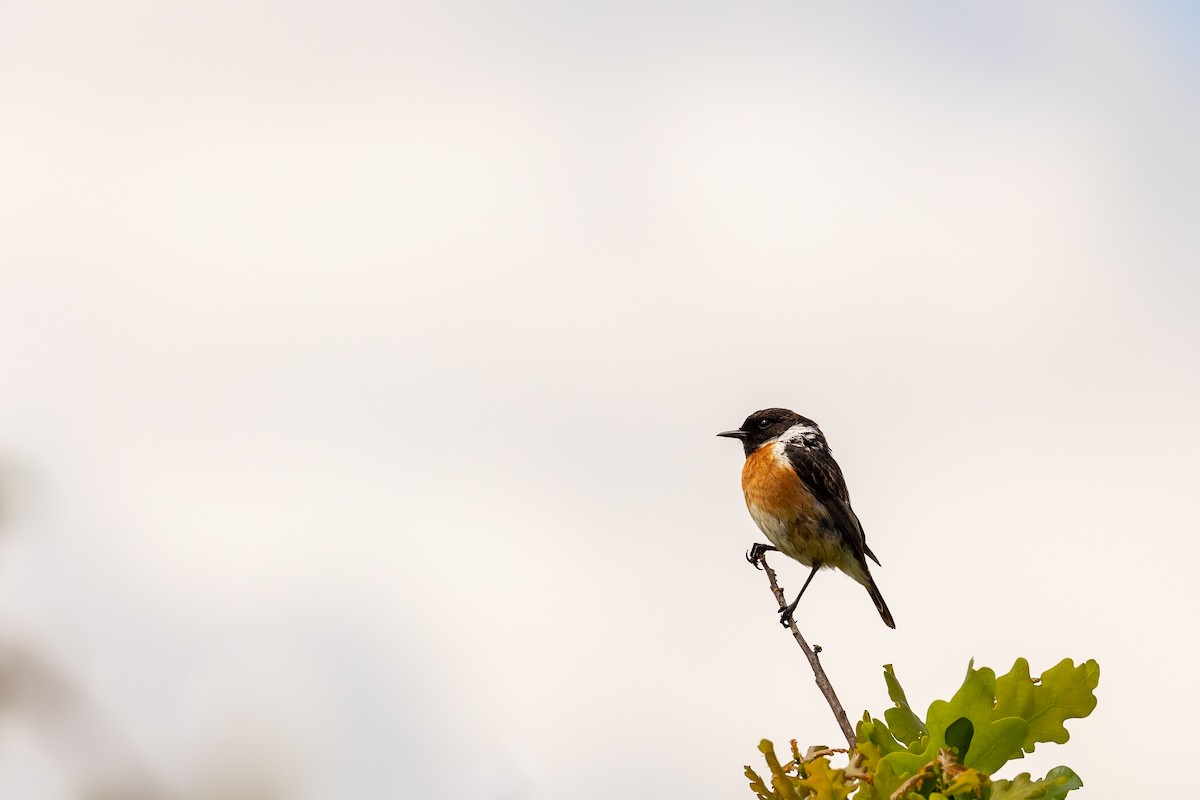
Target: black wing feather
[823, 476]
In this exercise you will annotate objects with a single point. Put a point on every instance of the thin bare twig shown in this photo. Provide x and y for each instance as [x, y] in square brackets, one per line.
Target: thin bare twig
[818, 671]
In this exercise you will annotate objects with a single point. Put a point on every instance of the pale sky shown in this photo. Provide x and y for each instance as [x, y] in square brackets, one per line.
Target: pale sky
[364, 364]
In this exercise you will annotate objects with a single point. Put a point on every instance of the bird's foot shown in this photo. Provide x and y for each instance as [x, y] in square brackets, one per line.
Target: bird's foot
[755, 553]
[785, 614]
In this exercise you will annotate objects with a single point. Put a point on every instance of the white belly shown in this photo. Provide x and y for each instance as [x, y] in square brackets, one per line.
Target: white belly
[780, 533]
[802, 538]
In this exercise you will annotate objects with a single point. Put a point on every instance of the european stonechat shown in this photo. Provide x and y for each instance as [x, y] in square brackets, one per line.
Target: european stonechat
[797, 496]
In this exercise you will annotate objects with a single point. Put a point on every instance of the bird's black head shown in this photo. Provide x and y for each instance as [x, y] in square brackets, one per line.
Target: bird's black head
[763, 426]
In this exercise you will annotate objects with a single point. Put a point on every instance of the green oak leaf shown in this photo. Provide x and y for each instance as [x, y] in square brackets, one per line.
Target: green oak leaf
[997, 743]
[756, 784]
[996, 738]
[905, 725]
[767, 748]
[959, 735]
[1059, 781]
[875, 740]
[884, 784]
[1019, 788]
[785, 788]
[1054, 786]
[823, 782]
[1064, 692]
[968, 783]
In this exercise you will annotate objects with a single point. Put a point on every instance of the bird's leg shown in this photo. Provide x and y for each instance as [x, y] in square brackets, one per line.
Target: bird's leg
[785, 613]
[755, 553]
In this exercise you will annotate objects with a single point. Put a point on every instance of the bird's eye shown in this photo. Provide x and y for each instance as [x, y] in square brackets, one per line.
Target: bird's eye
[763, 424]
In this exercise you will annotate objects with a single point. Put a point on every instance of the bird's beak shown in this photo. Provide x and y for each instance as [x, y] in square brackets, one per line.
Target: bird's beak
[733, 434]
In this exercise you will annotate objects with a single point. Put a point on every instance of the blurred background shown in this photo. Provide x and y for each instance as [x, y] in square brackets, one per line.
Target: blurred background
[362, 364]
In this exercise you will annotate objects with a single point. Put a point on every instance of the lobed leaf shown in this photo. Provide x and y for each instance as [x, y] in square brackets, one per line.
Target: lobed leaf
[994, 739]
[1061, 780]
[1019, 788]
[905, 725]
[823, 782]
[997, 743]
[1063, 692]
[756, 784]
[969, 781]
[959, 735]
[1054, 786]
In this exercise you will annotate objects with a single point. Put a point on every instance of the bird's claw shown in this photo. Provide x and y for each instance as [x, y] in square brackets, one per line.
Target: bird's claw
[755, 554]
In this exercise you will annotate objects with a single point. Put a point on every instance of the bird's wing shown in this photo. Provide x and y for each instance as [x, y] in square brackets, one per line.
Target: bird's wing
[824, 477]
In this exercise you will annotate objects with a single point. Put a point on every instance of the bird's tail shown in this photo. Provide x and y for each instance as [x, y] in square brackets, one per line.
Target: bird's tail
[873, 590]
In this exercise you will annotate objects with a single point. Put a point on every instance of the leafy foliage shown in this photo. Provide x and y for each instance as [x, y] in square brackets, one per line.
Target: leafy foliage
[809, 776]
[954, 750]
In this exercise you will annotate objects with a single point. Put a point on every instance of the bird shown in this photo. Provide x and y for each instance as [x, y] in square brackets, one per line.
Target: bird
[797, 496]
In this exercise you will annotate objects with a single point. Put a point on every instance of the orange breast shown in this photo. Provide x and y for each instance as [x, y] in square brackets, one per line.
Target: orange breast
[773, 486]
[787, 513]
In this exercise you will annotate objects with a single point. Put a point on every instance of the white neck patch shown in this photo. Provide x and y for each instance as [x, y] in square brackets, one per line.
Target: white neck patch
[805, 435]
